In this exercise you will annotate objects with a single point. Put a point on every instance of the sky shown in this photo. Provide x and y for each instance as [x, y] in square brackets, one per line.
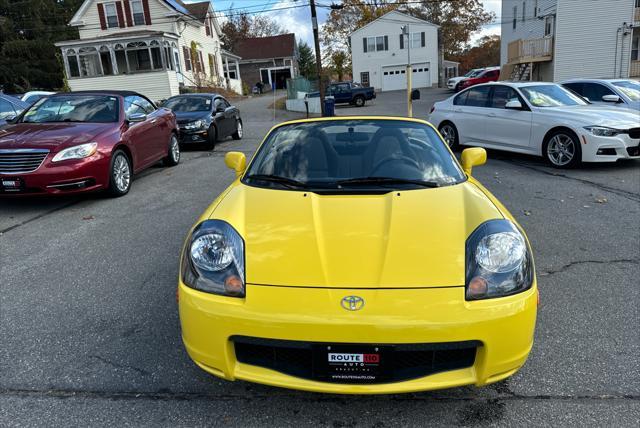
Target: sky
[298, 19]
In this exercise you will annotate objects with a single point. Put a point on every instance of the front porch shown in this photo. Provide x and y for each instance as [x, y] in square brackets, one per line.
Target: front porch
[144, 61]
[232, 73]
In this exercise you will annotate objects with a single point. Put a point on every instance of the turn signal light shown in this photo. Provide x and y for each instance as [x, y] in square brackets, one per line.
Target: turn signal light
[233, 285]
[477, 287]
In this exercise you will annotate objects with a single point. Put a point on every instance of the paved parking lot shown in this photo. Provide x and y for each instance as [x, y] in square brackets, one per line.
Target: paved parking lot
[90, 331]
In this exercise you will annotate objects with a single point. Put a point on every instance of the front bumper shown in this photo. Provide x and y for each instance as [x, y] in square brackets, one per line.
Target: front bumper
[608, 149]
[503, 328]
[193, 136]
[61, 178]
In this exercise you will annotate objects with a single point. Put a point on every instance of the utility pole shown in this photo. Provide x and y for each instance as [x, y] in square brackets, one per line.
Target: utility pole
[316, 41]
[405, 31]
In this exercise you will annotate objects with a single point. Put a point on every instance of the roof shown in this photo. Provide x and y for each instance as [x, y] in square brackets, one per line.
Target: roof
[403, 18]
[280, 46]
[198, 10]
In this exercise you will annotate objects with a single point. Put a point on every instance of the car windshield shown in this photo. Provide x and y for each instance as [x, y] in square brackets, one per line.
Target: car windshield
[551, 96]
[73, 108]
[188, 104]
[351, 155]
[473, 73]
[630, 88]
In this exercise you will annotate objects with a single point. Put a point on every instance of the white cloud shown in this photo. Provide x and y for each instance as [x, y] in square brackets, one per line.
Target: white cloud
[294, 20]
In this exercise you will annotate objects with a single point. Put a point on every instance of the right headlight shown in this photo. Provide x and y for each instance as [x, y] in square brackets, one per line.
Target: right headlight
[602, 131]
[195, 125]
[213, 259]
[498, 261]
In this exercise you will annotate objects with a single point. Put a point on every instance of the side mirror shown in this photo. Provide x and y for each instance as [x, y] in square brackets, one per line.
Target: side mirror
[475, 156]
[219, 109]
[236, 161]
[10, 119]
[415, 94]
[513, 105]
[137, 117]
[611, 99]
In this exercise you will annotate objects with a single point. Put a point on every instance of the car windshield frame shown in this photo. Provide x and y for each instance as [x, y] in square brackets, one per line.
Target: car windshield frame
[528, 94]
[114, 116]
[204, 98]
[346, 142]
[629, 88]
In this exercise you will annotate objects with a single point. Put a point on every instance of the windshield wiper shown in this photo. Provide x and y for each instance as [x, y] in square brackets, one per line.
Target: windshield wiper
[288, 182]
[385, 180]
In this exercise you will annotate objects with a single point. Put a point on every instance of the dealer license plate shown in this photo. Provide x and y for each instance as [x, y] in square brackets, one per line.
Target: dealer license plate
[352, 363]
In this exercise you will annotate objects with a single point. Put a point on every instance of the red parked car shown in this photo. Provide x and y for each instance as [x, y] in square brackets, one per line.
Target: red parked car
[489, 75]
[85, 141]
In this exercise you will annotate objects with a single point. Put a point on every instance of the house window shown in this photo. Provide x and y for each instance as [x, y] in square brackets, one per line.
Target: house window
[137, 12]
[186, 52]
[379, 43]
[376, 43]
[213, 66]
[105, 60]
[364, 78]
[515, 16]
[524, 10]
[535, 9]
[371, 44]
[89, 62]
[416, 40]
[156, 55]
[111, 15]
[635, 44]
[548, 26]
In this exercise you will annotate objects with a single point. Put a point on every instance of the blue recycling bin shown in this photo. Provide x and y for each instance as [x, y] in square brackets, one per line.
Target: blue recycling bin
[329, 107]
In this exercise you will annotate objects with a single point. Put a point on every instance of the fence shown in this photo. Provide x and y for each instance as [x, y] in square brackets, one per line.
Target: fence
[298, 85]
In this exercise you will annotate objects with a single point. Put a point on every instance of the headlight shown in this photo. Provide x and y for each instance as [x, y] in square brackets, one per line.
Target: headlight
[498, 261]
[195, 125]
[213, 259]
[76, 152]
[602, 131]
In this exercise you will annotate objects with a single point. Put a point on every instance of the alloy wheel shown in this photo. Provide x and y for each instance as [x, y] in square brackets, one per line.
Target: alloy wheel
[239, 128]
[175, 149]
[121, 173]
[449, 134]
[561, 150]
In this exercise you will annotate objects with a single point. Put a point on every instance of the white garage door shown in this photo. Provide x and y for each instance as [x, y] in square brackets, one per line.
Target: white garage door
[395, 78]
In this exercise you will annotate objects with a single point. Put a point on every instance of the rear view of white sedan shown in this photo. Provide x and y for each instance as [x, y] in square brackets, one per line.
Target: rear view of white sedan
[538, 118]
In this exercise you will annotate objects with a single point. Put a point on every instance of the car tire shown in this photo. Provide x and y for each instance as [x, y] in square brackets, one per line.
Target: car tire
[173, 156]
[239, 130]
[212, 135]
[562, 149]
[449, 133]
[120, 174]
[359, 101]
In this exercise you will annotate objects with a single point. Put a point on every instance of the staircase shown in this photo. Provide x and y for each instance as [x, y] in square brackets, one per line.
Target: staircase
[521, 72]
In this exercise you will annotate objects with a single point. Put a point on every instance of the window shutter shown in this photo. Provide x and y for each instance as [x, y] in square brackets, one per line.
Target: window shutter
[103, 20]
[207, 25]
[401, 41]
[423, 37]
[200, 62]
[364, 44]
[147, 14]
[127, 13]
[121, 22]
[386, 43]
[187, 58]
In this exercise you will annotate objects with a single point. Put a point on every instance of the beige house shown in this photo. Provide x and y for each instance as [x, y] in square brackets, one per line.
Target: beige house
[150, 46]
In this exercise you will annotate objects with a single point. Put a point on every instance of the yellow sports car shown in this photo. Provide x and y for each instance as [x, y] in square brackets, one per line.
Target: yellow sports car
[356, 255]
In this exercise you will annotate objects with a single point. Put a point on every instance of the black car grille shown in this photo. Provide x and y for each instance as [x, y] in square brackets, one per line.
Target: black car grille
[633, 151]
[634, 133]
[408, 361]
[21, 160]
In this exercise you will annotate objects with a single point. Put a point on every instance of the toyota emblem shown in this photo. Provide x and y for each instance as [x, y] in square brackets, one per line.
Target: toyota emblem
[352, 303]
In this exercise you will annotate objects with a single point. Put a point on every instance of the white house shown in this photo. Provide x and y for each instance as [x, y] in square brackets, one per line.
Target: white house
[149, 46]
[553, 40]
[380, 52]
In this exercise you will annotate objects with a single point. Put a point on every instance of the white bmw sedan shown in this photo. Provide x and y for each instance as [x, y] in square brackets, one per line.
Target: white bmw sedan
[538, 118]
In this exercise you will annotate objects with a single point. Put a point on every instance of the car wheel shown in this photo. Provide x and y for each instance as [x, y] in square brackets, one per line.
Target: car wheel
[119, 174]
[562, 149]
[449, 134]
[213, 137]
[359, 101]
[173, 157]
[238, 134]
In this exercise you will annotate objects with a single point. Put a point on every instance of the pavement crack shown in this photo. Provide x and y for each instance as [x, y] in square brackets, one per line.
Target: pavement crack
[580, 262]
[39, 216]
[625, 194]
[186, 396]
[120, 366]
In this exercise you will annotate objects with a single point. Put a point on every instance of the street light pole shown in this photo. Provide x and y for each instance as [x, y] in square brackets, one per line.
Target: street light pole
[405, 31]
[316, 41]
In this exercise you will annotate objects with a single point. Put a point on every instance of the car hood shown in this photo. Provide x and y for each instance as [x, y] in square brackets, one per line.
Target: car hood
[190, 116]
[51, 136]
[407, 239]
[596, 115]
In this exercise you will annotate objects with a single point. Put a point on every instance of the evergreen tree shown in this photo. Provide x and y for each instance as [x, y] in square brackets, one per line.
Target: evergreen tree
[306, 61]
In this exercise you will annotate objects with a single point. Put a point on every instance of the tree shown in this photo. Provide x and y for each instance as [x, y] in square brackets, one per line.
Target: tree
[306, 60]
[339, 64]
[241, 25]
[28, 31]
[458, 19]
[485, 53]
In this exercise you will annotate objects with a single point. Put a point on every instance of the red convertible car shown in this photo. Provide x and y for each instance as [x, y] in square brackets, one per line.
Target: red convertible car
[85, 141]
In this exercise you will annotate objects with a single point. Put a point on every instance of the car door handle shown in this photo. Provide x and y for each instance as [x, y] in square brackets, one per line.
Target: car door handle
[154, 120]
[457, 110]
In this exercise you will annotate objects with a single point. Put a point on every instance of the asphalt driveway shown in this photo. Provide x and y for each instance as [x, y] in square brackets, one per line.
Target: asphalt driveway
[90, 333]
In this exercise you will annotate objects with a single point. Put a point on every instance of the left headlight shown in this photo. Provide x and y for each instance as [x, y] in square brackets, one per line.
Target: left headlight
[76, 152]
[213, 259]
[602, 131]
[498, 261]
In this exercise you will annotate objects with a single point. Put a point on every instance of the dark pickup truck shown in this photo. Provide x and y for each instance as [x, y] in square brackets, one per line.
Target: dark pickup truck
[348, 93]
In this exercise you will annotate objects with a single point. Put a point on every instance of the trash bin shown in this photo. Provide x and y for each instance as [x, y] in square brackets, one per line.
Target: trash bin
[329, 106]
